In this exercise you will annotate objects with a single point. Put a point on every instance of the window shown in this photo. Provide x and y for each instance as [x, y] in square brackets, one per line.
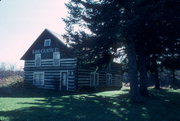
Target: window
[94, 79]
[108, 79]
[47, 42]
[56, 58]
[38, 78]
[38, 59]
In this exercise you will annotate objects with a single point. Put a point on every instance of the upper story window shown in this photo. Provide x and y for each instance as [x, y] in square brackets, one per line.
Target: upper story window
[56, 58]
[38, 59]
[47, 42]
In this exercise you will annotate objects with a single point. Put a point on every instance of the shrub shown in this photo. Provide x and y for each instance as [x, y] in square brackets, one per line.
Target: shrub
[12, 81]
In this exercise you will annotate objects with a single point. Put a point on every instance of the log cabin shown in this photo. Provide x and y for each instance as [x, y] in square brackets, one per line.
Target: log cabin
[49, 63]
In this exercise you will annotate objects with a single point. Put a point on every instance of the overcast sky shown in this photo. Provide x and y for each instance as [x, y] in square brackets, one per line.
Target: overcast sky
[22, 21]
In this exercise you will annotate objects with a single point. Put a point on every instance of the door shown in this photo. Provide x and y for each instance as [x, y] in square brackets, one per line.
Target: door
[94, 79]
[64, 81]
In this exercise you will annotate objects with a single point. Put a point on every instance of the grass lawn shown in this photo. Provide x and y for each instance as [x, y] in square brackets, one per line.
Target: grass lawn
[43, 105]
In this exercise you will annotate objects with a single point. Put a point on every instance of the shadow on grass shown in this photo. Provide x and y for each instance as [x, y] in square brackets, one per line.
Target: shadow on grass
[37, 92]
[29, 92]
[64, 107]
[56, 106]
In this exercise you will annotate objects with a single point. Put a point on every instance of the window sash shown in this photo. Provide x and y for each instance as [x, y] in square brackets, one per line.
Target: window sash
[56, 58]
[94, 79]
[109, 78]
[38, 59]
[47, 42]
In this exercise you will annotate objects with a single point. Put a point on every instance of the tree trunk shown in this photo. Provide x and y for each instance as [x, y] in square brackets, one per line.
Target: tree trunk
[173, 74]
[132, 72]
[143, 74]
[155, 71]
[157, 83]
[156, 75]
[173, 85]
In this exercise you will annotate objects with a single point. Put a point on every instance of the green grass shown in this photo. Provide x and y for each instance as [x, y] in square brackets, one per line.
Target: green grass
[18, 104]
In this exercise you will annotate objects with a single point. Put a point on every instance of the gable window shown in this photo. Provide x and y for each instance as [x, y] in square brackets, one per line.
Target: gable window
[108, 78]
[38, 59]
[47, 42]
[94, 79]
[38, 78]
[56, 58]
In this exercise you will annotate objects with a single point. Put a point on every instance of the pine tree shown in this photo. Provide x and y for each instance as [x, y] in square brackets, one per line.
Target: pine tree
[106, 22]
[106, 25]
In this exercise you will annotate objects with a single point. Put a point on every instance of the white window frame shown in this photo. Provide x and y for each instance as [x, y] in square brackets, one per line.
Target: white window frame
[47, 42]
[93, 81]
[36, 59]
[109, 78]
[54, 54]
[34, 80]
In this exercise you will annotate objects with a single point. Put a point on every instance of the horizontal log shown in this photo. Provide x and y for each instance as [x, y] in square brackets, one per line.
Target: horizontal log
[68, 62]
[66, 59]
[80, 85]
[45, 60]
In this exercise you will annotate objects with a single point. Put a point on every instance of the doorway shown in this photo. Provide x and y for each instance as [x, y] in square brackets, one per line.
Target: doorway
[64, 80]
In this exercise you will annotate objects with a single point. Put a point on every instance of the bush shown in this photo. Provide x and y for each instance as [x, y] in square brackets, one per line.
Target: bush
[12, 81]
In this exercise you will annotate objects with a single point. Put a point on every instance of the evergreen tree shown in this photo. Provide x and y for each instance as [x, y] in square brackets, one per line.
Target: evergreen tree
[159, 33]
[106, 25]
[106, 21]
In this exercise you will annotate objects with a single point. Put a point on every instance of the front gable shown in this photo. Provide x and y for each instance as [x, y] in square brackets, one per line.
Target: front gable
[46, 44]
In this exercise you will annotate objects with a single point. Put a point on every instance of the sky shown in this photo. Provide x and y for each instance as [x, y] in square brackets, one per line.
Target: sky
[22, 21]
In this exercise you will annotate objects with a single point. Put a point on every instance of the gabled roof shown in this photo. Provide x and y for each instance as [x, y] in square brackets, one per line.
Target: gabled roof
[58, 38]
